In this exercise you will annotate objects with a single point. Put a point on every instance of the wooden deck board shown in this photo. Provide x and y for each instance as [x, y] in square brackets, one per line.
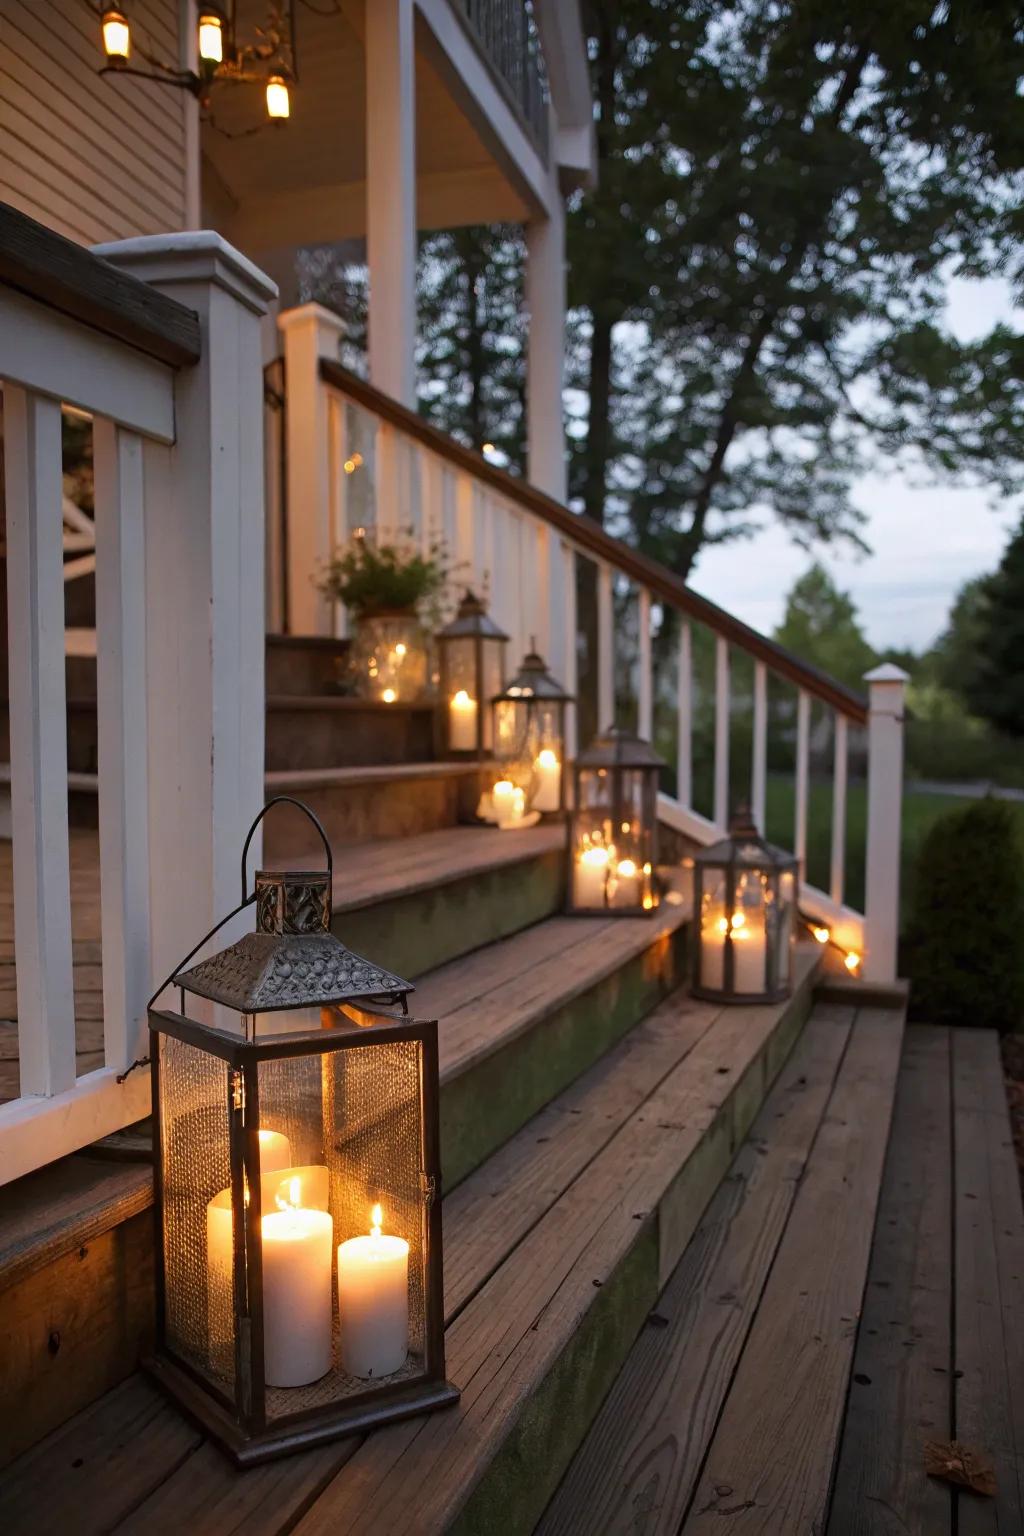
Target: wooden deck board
[636, 1470]
[769, 1466]
[901, 1388]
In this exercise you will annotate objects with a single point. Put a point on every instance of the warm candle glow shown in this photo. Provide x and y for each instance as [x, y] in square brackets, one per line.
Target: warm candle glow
[117, 37]
[627, 869]
[852, 961]
[462, 722]
[594, 856]
[292, 1197]
[278, 102]
[211, 38]
[547, 759]
[400, 648]
[376, 1221]
[389, 696]
[821, 934]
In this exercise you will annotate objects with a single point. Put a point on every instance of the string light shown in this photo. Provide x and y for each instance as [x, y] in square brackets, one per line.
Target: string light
[117, 37]
[823, 936]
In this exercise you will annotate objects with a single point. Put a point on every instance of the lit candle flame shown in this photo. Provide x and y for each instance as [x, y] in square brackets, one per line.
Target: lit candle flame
[376, 1221]
[594, 856]
[461, 700]
[400, 648]
[547, 759]
[389, 696]
[293, 1197]
[627, 869]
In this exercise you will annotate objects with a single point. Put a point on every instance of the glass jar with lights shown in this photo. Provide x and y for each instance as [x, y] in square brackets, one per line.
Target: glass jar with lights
[471, 658]
[745, 906]
[299, 1280]
[528, 731]
[613, 826]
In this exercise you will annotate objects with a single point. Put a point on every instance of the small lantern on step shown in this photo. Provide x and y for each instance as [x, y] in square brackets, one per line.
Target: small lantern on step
[471, 653]
[528, 730]
[744, 903]
[613, 828]
[297, 1183]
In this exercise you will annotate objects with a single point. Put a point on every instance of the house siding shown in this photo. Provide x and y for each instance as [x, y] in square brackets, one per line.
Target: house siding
[94, 157]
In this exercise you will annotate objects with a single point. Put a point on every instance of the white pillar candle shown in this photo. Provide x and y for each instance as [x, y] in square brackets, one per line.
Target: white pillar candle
[462, 722]
[297, 1309]
[548, 771]
[748, 954]
[627, 885]
[503, 800]
[589, 878]
[373, 1302]
[275, 1151]
[220, 1309]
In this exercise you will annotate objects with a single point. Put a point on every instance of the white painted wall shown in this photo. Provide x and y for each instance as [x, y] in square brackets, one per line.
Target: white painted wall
[92, 157]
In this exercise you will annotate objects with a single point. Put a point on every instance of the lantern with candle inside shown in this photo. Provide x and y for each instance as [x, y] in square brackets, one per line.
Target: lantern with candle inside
[297, 1181]
[744, 900]
[528, 731]
[471, 657]
[613, 826]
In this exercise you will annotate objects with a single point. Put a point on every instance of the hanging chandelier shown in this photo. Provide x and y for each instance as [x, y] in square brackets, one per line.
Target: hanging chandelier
[269, 61]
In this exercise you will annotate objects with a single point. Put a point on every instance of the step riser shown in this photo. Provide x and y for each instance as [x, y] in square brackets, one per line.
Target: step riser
[416, 933]
[346, 734]
[485, 1106]
[377, 809]
[521, 1479]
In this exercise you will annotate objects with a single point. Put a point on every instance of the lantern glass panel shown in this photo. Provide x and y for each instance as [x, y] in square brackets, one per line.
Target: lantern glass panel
[613, 832]
[746, 895]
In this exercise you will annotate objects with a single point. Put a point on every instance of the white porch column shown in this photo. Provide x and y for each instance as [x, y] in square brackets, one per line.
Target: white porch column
[545, 356]
[391, 195]
[204, 557]
[885, 803]
[310, 333]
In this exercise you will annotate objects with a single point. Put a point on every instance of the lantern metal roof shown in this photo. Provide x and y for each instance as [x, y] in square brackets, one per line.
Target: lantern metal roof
[619, 748]
[534, 681]
[292, 960]
[472, 622]
[745, 845]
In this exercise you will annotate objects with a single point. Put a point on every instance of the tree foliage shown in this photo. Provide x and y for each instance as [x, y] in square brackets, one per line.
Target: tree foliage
[822, 627]
[759, 277]
[994, 684]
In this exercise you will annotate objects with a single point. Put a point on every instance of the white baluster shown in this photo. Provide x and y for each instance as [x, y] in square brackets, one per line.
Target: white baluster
[605, 649]
[721, 807]
[885, 801]
[759, 764]
[838, 866]
[337, 482]
[570, 667]
[122, 728]
[39, 785]
[684, 718]
[645, 691]
[803, 753]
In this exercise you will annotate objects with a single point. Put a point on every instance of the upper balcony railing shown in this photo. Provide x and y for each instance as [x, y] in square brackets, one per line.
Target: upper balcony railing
[508, 36]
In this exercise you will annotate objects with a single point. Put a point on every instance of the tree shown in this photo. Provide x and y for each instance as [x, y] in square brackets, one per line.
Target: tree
[784, 188]
[995, 686]
[953, 659]
[822, 627]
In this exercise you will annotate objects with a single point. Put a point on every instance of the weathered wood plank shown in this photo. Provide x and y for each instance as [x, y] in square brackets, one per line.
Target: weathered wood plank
[988, 1350]
[48, 1213]
[902, 1389]
[636, 1470]
[769, 1466]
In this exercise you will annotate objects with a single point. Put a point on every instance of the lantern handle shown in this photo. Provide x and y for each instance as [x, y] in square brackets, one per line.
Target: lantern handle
[195, 950]
[284, 800]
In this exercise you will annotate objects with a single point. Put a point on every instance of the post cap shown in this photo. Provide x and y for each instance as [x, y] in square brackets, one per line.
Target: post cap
[887, 672]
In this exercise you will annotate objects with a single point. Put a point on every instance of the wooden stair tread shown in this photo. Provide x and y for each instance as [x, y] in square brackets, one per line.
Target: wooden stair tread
[47, 1213]
[283, 779]
[581, 1185]
[730, 1384]
[939, 1352]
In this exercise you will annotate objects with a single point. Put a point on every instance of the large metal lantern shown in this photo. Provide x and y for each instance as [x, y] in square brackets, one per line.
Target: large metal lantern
[745, 904]
[528, 731]
[471, 653]
[297, 1183]
[613, 828]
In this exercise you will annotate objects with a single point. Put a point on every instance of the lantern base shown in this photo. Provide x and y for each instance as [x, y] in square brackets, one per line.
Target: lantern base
[401, 1401]
[741, 999]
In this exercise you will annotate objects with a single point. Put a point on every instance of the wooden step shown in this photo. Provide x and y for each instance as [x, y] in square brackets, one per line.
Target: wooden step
[368, 804]
[554, 1250]
[331, 731]
[304, 664]
[940, 1350]
[726, 1414]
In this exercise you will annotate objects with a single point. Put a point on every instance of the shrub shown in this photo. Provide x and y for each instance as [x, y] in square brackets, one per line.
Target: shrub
[965, 938]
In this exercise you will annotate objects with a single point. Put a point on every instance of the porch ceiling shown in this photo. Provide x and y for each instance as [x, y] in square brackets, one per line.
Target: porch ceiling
[304, 182]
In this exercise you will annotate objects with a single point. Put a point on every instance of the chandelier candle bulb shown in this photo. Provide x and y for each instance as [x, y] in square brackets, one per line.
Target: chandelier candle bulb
[548, 794]
[373, 1302]
[297, 1309]
[462, 722]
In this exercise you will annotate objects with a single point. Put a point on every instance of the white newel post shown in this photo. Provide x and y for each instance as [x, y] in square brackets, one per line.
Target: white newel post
[886, 686]
[204, 567]
[390, 47]
[309, 333]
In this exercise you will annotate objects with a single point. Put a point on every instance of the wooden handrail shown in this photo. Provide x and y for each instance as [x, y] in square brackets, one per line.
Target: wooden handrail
[595, 541]
[64, 276]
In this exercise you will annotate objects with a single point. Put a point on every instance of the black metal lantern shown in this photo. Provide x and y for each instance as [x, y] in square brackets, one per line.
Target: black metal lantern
[613, 829]
[528, 731]
[297, 1183]
[744, 901]
[471, 654]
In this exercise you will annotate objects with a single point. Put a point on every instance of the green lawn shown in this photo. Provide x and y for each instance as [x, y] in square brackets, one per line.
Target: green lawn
[919, 811]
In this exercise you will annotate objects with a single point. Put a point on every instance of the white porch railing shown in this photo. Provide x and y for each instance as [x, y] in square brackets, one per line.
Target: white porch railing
[173, 389]
[356, 457]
